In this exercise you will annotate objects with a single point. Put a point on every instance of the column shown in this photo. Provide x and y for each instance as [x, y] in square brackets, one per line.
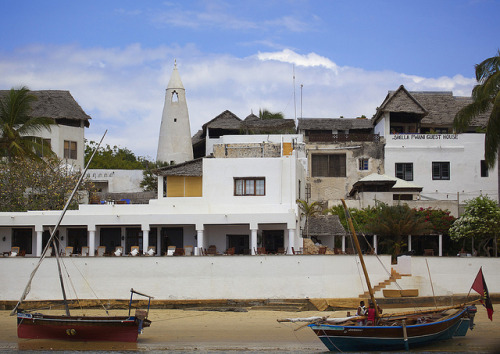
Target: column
[145, 238]
[375, 244]
[91, 240]
[409, 243]
[200, 242]
[39, 234]
[343, 244]
[160, 187]
[253, 241]
[291, 240]
[440, 245]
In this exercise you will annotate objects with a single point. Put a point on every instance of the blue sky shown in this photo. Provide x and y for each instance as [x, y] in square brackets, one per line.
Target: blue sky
[116, 57]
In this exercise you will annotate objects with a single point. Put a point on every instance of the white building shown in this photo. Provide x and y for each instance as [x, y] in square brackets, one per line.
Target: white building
[422, 147]
[66, 137]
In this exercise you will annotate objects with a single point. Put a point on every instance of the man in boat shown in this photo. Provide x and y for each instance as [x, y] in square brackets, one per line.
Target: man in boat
[361, 312]
[370, 313]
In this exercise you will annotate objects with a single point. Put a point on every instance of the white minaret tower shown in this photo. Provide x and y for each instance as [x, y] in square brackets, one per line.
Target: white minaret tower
[174, 144]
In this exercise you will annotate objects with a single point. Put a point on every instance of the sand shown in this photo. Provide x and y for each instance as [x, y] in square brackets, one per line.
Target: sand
[188, 330]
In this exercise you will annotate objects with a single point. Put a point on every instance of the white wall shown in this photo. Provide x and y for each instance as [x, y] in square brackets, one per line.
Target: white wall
[119, 181]
[256, 138]
[463, 151]
[239, 277]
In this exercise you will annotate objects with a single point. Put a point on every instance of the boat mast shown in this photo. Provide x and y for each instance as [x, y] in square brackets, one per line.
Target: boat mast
[360, 254]
[65, 300]
[53, 234]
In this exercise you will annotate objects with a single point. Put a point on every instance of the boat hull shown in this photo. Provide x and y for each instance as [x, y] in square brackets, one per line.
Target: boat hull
[383, 338]
[79, 328]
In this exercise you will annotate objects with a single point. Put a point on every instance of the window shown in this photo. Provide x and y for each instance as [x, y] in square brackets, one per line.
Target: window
[404, 170]
[440, 170]
[70, 149]
[250, 186]
[484, 169]
[328, 165]
[363, 164]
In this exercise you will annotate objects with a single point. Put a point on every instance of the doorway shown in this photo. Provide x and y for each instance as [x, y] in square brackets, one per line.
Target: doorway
[239, 242]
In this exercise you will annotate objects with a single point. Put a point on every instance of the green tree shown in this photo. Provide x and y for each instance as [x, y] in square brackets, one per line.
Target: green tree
[360, 217]
[38, 185]
[485, 97]
[441, 220]
[18, 129]
[309, 210]
[150, 180]
[114, 158]
[265, 114]
[480, 221]
[393, 222]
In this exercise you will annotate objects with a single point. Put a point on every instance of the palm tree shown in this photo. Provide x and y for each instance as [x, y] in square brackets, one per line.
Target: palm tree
[265, 114]
[395, 221]
[485, 97]
[309, 210]
[18, 127]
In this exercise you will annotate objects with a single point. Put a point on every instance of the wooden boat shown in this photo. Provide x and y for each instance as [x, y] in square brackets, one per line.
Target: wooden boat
[82, 328]
[391, 331]
[77, 328]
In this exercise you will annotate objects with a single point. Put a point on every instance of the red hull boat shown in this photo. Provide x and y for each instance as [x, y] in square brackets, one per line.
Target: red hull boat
[81, 328]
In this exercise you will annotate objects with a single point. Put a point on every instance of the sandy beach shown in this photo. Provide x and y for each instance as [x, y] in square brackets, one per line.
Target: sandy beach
[193, 330]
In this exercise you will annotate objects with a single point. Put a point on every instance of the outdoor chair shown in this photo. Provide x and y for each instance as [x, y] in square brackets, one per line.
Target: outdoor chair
[151, 251]
[322, 250]
[85, 251]
[281, 250]
[212, 250]
[230, 251]
[188, 250]
[134, 251]
[68, 251]
[179, 251]
[101, 250]
[49, 252]
[118, 251]
[261, 250]
[171, 250]
[14, 251]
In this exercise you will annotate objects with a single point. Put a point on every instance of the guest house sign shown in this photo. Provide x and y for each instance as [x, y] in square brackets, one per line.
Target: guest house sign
[424, 136]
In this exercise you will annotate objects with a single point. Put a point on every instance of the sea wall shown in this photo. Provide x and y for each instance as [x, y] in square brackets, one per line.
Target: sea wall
[238, 277]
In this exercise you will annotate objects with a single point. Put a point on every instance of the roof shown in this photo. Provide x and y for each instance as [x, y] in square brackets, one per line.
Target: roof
[435, 107]
[175, 80]
[334, 123]
[375, 179]
[56, 104]
[325, 225]
[225, 120]
[192, 168]
[269, 125]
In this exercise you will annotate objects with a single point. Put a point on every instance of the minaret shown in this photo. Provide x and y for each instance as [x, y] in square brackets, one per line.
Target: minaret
[174, 144]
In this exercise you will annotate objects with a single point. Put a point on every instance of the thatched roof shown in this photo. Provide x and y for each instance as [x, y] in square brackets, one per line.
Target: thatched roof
[193, 168]
[325, 225]
[268, 126]
[58, 105]
[225, 120]
[436, 108]
[334, 124]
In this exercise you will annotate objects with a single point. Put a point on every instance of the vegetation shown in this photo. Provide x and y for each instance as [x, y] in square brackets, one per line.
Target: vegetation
[27, 184]
[480, 222]
[309, 210]
[150, 180]
[265, 114]
[18, 129]
[114, 158]
[485, 97]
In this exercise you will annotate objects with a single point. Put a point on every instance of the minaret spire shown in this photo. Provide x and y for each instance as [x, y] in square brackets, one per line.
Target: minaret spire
[174, 143]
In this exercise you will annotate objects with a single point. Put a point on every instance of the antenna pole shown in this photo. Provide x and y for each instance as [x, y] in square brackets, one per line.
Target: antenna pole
[301, 86]
[294, 104]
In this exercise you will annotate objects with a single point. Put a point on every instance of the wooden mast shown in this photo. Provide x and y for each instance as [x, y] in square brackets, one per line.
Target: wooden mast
[360, 254]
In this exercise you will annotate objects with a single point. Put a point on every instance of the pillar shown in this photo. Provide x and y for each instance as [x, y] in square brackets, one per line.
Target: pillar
[200, 242]
[145, 238]
[39, 234]
[253, 241]
[91, 240]
[375, 244]
[343, 244]
[409, 243]
[440, 245]
[160, 187]
[291, 240]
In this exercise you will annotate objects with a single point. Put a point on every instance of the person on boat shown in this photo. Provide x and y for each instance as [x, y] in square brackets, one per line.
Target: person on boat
[361, 312]
[370, 313]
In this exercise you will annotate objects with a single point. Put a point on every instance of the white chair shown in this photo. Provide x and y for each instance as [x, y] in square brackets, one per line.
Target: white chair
[188, 250]
[171, 250]
[118, 251]
[101, 250]
[85, 251]
[151, 251]
[134, 251]
[68, 251]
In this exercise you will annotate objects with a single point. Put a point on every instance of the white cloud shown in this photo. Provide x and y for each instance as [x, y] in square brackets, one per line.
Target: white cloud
[123, 88]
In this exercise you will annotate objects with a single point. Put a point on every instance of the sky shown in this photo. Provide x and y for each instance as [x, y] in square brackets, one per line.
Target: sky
[309, 59]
